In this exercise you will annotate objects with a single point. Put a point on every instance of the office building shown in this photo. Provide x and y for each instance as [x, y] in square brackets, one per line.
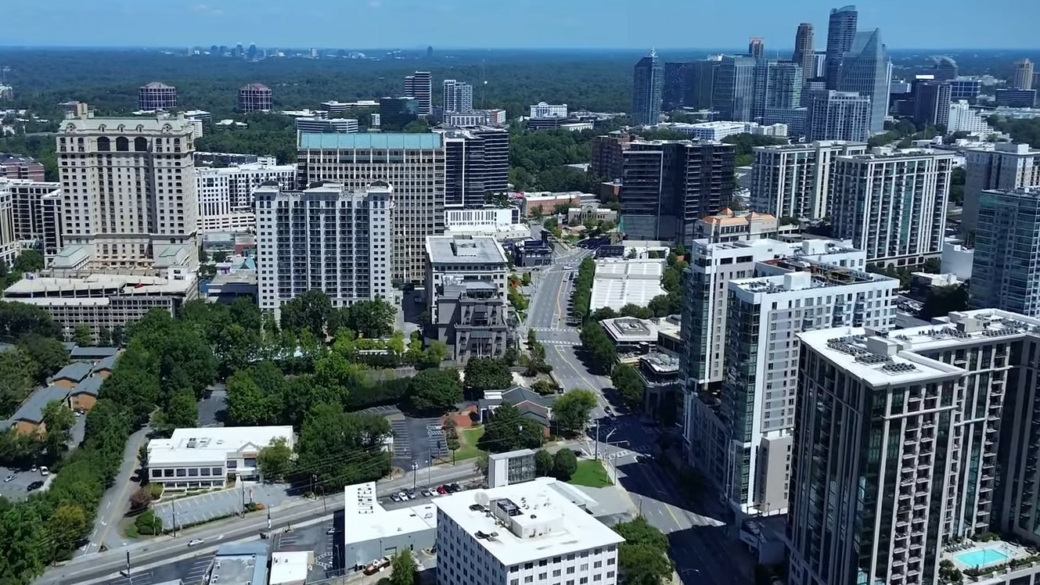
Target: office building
[756, 48]
[673, 92]
[716, 131]
[466, 291]
[841, 32]
[646, 93]
[892, 206]
[528, 533]
[1005, 274]
[758, 404]
[669, 185]
[794, 119]
[945, 69]
[156, 96]
[794, 180]
[211, 457]
[607, 155]
[413, 164]
[396, 112]
[1023, 75]
[700, 84]
[457, 97]
[16, 166]
[865, 69]
[9, 245]
[544, 110]
[226, 193]
[327, 125]
[510, 468]
[778, 86]
[1005, 167]
[734, 89]
[420, 87]
[129, 197]
[965, 89]
[36, 212]
[964, 118]
[932, 103]
[1016, 98]
[836, 115]
[326, 238]
[804, 51]
[476, 163]
[254, 97]
[476, 118]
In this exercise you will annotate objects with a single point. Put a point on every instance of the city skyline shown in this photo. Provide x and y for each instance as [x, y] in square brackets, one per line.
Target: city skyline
[575, 25]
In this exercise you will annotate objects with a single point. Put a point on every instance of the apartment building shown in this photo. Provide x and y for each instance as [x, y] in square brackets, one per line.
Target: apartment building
[794, 180]
[9, 245]
[523, 533]
[36, 210]
[156, 96]
[15, 166]
[476, 163]
[128, 191]
[1005, 166]
[457, 97]
[413, 164]
[326, 238]
[892, 206]
[1005, 271]
[419, 87]
[254, 97]
[837, 115]
[226, 193]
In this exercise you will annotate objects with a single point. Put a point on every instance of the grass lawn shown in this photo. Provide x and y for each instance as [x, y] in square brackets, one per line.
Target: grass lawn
[590, 473]
[468, 443]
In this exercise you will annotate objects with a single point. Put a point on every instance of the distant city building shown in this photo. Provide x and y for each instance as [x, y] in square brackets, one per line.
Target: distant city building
[736, 226]
[804, 51]
[778, 86]
[327, 238]
[607, 159]
[1005, 273]
[794, 180]
[9, 246]
[16, 166]
[836, 115]
[226, 193]
[841, 32]
[254, 97]
[544, 110]
[892, 206]
[1016, 98]
[716, 131]
[156, 96]
[945, 69]
[457, 97]
[476, 118]
[476, 163]
[795, 119]
[734, 88]
[397, 112]
[965, 89]
[865, 69]
[36, 213]
[964, 118]
[674, 88]
[700, 84]
[756, 48]
[932, 103]
[334, 107]
[648, 79]
[1005, 167]
[1023, 75]
[419, 86]
[327, 125]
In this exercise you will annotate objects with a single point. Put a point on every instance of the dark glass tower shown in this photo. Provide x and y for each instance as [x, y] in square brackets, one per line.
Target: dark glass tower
[646, 91]
[841, 31]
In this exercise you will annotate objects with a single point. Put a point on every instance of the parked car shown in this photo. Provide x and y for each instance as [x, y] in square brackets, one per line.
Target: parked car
[411, 494]
[195, 542]
[442, 490]
[34, 486]
[331, 530]
[395, 497]
[455, 488]
[33, 469]
[8, 478]
[426, 492]
[402, 496]
[44, 471]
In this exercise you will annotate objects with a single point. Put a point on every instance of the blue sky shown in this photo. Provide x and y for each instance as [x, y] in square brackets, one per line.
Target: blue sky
[620, 24]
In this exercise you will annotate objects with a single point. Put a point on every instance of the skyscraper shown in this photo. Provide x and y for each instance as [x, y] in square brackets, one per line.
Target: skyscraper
[1023, 77]
[932, 103]
[804, 52]
[734, 91]
[676, 77]
[836, 115]
[700, 86]
[864, 69]
[419, 86]
[794, 180]
[945, 68]
[1005, 168]
[1006, 270]
[778, 86]
[476, 162]
[756, 47]
[841, 31]
[457, 97]
[647, 80]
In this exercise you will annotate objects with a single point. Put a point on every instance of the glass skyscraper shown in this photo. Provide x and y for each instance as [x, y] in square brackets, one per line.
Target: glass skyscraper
[864, 69]
[1005, 270]
[646, 92]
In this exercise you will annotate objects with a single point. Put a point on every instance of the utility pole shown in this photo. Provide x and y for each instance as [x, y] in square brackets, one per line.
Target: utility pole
[596, 456]
[242, 511]
[128, 567]
[415, 472]
[269, 515]
[173, 504]
[429, 472]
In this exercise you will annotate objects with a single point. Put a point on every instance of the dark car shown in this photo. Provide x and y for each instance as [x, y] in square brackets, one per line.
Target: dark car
[34, 486]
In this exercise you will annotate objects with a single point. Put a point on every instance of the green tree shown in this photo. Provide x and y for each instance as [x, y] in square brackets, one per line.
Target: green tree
[526, 279]
[25, 551]
[543, 463]
[435, 390]
[643, 557]
[81, 336]
[433, 356]
[628, 383]
[28, 261]
[357, 440]
[65, 527]
[19, 319]
[371, 319]
[47, 354]
[15, 379]
[148, 523]
[402, 569]
[310, 311]
[58, 420]
[599, 347]
[942, 300]
[571, 411]
[181, 411]
[275, 460]
[508, 430]
[248, 404]
[565, 463]
[487, 374]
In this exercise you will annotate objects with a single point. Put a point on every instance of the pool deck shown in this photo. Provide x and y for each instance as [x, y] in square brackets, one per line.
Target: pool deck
[1007, 551]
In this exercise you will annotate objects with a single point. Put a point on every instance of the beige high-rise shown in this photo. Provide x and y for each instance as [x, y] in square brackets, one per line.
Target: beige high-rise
[1023, 78]
[129, 203]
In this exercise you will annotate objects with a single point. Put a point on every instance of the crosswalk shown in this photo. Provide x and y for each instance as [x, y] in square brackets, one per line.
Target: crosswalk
[560, 342]
[552, 330]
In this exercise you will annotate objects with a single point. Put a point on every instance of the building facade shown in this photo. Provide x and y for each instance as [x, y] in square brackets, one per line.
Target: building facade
[156, 96]
[734, 88]
[648, 79]
[865, 70]
[1023, 75]
[254, 97]
[607, 151]
[794, 180]
[457, 97]
[841, 31]
[37, 213]
[326, 238]
[476, 163]
[226, 193]
[211, 457]
[329, 125]
[805, 51]
[836, 115]
[15, 166]
[1004, 168]
[420, 87]
[544, 110]
[1005, 273]
[932, 103]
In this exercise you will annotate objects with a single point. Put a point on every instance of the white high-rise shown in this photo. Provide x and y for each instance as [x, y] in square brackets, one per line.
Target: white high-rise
[794, 180]
[37, 213]
[964, 118]
[327, 238]
[892, 206]
[419, 86]
[226, 194]
[1004, 166]
[837, 115]
[457, 97]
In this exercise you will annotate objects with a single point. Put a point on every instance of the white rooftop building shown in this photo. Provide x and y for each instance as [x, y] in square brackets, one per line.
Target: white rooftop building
[211, 456]
[376, 532]
[524, 533]
[620, 282]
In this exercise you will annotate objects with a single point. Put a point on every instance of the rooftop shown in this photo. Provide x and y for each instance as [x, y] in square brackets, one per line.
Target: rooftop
[877, 361]
[370, 140]
[370, 521]
[240, 564]
[74, 372]
[122, 284]
[187, 445]
[92, 353]
[630, 329]
[620, 282]
[525, 522]
[464, 250]
[290, 567]
[31, 409]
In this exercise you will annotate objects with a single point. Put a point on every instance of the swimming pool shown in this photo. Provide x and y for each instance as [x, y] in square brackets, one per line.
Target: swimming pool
[981, 557]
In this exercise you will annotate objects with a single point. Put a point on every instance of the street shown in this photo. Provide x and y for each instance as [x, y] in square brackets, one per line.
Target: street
[116, 500]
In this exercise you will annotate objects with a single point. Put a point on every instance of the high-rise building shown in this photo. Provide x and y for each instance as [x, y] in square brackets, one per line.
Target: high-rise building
[128, 193]
[778, 86]
[804, 51]
[476, 163]
[965, 89]
[419, 86]
[841, 31]
[1005, 270]
[758, 396]
[964, 118]
[837, 115]
[945, 69]
[794, 180]
[648, 79]
[1023, 75]
[396, 112]
[37, 217]
[756, 48]
[326, 238]
[892, 206]
[676, 78]
[9, 246]
[668, 185]
[607, 155]
[413, 164]
[226, 193]
[932, 103]
[700, 85]
[254, 97]
[1015, 98]
[156, 96]
[1005, 167]
[734, 92]
[457, 96]
[864, 69]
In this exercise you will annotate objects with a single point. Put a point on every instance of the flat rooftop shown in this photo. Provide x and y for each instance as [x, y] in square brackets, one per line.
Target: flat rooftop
[188, 445]
[368, 520]
[541, 522]
[370, 140]
[99, 283]
[620, 282]
[240, 564]
[630, 329]
[877, 361]
[465, 250]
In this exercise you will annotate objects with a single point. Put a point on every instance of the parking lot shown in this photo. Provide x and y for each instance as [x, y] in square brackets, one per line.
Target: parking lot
[189, 571]
[18, 488]
[316, 537]
[211, 408]
[210, 506]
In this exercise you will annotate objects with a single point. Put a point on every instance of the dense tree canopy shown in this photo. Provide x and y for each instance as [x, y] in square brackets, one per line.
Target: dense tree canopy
[643, 557]
[435, 390]
[598, 347]
[339, 449]
[508, 430]
[628, 384]
[571, 411]
[487, 374]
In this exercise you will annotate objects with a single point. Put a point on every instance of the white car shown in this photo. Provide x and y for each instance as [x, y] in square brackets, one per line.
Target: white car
[44, 471]
[8, 478]
[195, 542]
[403, 496]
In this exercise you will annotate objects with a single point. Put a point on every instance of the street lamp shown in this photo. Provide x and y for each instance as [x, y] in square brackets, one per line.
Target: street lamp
[415, 472]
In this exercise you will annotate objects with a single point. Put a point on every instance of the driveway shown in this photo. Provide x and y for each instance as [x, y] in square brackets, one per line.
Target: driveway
[206, 507]
[211, 408]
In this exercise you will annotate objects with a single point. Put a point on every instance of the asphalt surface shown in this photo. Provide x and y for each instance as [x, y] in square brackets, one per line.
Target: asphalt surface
[116, 500]
[209, 506]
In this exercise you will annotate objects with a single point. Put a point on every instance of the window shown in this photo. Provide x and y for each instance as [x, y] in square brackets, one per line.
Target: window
[182, 472]
[529, 579]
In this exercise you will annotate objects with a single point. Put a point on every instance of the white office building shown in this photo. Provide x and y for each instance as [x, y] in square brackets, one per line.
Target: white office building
[211, 457]
[1005, 167]
[326, 238]
[837, 115]
[892, 206]
[544, 110]
[524, 533]
[964, 118]
[716, 131]
[327, 125]
[226, 194]
[487, 217]
[794, 180]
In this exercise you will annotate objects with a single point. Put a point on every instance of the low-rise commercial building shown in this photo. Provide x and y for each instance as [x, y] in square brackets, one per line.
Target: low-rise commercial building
[211, 457]
[327, 125]
[375, 532]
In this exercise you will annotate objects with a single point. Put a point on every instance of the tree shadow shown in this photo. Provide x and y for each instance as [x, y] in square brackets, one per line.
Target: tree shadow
[710, 554]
